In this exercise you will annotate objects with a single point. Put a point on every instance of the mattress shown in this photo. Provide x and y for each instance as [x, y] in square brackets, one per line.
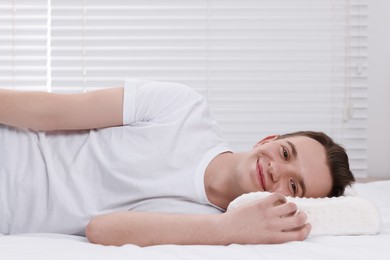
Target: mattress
[57, 246]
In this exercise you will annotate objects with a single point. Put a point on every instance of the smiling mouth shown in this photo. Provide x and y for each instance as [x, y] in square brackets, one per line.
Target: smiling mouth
[259, 169]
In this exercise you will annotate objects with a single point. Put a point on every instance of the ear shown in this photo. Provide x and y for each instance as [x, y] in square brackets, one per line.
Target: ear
[267, 139]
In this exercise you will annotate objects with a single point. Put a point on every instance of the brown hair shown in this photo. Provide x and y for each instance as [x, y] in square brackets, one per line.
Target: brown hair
[337, 160]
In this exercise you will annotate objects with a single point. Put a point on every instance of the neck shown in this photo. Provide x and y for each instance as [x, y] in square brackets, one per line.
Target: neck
[220, 179]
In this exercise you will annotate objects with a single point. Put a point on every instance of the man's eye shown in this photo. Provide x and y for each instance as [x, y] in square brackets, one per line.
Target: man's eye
[285, 153]
[293, 187]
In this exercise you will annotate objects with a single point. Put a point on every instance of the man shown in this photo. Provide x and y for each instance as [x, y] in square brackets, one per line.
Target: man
[146, 164]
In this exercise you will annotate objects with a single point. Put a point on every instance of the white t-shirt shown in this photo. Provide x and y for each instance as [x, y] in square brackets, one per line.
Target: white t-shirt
[57, 181]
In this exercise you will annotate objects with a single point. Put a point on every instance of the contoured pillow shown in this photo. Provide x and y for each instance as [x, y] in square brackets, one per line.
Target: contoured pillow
[345, 215]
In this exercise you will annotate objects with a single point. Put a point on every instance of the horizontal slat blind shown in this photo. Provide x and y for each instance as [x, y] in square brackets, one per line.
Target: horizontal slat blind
[281, 66]
[265, 66]
[355, 133]
[99, 43]
[23, 44]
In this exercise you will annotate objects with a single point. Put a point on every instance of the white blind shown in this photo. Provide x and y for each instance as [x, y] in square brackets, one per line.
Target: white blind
[23, 62]
[265, 66]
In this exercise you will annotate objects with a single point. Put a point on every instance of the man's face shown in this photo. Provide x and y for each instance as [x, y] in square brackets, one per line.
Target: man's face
[293, 166]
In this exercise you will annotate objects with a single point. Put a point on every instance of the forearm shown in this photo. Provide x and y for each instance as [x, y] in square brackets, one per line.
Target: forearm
[146, 229]
[269, 220]
[50, 111]
[21, 110]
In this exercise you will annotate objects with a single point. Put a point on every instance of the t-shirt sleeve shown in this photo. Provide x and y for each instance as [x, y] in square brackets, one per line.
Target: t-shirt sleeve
[152, 101]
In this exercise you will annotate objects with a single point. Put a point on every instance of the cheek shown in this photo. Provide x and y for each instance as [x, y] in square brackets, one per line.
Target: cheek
[283, 190]
[322, 185]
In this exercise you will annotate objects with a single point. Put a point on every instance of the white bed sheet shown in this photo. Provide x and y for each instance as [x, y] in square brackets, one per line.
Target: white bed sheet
[54, 246]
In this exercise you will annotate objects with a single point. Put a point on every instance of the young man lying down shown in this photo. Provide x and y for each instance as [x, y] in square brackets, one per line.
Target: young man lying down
[146, 164]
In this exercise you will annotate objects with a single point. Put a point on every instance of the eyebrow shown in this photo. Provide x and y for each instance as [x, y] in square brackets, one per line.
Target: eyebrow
[295, 155]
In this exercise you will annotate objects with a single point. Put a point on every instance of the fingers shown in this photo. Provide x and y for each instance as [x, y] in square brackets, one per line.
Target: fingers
[293, 228]
[291, 223]
[287, 216]
[286, 209]
[293, 235]
[275, 199]
[282, 208]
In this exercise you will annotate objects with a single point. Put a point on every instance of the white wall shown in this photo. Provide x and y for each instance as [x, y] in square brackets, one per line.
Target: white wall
[379, 89]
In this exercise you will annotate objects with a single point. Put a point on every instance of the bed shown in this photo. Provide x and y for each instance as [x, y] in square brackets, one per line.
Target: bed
[56, 246]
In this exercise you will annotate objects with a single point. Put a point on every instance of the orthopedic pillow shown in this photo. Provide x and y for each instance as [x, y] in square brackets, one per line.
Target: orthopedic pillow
[345, 215]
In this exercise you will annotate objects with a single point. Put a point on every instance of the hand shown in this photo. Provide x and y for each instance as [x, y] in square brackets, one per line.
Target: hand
[268, 220]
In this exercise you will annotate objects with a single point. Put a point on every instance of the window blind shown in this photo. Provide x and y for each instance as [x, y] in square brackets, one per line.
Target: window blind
[265, 66]
[23, 44]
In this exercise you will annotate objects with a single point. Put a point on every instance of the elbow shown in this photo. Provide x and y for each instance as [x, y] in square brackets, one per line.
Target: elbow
[98, 231]
[92, 232]
[96, 234]
[116, 229]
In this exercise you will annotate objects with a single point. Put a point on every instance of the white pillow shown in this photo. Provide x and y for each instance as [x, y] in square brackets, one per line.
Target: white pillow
[345, 215]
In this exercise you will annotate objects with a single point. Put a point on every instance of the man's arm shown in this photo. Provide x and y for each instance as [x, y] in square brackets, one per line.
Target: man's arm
[264, 221]
[50, 111]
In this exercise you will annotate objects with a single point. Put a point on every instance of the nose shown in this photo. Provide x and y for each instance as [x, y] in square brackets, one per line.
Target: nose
[274, 171]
